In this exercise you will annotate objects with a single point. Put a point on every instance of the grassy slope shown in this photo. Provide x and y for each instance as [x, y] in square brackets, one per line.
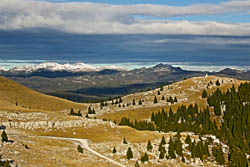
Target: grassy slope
[12, 92]
[190, 89]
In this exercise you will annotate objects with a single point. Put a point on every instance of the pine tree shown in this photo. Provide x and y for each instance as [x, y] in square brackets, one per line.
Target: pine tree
[193, 150]
[204, 94]
[178, 146]
[125, 141]
[142, 159]
[163, 141]
[161, 148]
[120, 100]
[188, 140]
[158, 93]
[171, 150]
[219, 155]
[217, 83]
[114, 150]
[134, 102]
[129, 153]
[89, 110]
[4, 137]
[79, 149]
[175, 99]
[155, 100]
[79, 113]
[140, 102]
[149, 146]
[71, 112]
[161, 156]
[163, 98]
[146, 156]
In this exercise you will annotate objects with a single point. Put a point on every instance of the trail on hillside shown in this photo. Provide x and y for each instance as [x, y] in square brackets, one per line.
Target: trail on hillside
[84, 145]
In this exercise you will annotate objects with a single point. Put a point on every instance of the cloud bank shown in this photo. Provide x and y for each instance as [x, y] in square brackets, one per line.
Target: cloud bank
[96, 18]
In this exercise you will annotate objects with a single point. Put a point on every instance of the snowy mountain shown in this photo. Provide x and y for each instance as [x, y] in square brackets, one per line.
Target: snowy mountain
[56, 67]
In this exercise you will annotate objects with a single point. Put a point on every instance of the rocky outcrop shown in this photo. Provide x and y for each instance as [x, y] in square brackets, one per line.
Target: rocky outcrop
[55, 124]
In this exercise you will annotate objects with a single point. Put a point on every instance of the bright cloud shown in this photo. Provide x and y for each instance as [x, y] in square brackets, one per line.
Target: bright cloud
[96, 18]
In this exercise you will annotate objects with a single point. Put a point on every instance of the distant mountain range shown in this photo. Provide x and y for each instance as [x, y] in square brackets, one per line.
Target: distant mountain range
[81, 82]
[52, 69]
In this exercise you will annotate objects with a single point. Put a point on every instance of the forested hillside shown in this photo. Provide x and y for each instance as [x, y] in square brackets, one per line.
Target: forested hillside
[227, 118]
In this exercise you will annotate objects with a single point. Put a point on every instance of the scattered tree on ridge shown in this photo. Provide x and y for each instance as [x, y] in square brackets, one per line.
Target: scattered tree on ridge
[129, 153]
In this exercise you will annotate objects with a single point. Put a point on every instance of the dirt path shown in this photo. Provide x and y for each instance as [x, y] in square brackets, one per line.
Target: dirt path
[84, 145]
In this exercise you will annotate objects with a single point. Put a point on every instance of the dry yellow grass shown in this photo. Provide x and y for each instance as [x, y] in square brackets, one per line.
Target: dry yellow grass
[49, 153]
[101, 133]
[12, 92]
[191, 89]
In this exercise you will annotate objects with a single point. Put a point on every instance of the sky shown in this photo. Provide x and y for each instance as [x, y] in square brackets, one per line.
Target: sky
[199, 17]
[120, 31]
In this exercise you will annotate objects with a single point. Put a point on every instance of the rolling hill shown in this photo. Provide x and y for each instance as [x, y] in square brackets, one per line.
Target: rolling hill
[14, 96]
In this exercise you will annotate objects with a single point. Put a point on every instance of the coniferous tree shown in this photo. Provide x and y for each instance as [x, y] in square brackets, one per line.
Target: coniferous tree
[204, 94]
[171, 149]
[163, 141]
[175, 99]
[217, 83]
[163, 98]
[134, 102]
[178, 146]
[162, 148]
[146, 156]
[155, 100]
[79, 113]
[149, 146]
[71, 111]
[158, 93]
[114, 150]
[188, 140]
[79, 149]
[140, 102]
[89, 109]
[4, 137]
[193, 150]
[161, 156]
[142, 159]
[219, 155]
[120, 100]
[129, 153]
[125, 141]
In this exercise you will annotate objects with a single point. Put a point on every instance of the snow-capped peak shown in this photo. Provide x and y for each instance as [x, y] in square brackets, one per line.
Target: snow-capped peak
[52, 66]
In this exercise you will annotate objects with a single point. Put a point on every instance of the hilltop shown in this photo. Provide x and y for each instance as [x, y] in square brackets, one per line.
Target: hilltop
[187, 92]
[14, 96]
